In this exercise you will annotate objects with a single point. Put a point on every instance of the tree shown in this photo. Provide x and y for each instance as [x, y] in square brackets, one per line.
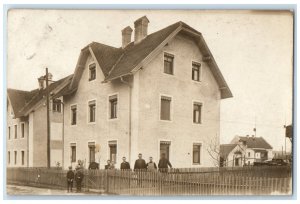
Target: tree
[213, 149]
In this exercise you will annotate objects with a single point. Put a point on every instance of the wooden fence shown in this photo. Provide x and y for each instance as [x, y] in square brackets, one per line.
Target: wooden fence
[194, 181]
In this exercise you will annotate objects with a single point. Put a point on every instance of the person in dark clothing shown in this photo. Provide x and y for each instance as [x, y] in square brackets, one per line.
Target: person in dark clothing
[140, 163]
[164, 163]
[78, 178]
[107, 166]
[70, 179]
[151, 166]
[93, 165]
[124, 165]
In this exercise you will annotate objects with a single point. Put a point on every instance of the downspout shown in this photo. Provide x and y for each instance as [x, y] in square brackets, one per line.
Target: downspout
[129, 115]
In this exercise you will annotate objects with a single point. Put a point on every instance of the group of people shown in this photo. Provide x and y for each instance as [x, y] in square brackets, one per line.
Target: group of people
[77, 176]
[140, 164]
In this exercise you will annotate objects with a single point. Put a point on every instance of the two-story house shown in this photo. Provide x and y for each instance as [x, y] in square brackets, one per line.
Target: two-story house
[244, 150]
[159, 93]
[27, 125]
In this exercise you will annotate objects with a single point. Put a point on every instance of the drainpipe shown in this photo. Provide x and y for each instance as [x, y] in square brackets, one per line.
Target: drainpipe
[129, 124]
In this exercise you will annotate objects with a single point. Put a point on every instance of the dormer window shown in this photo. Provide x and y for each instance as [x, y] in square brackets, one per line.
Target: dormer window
[92, 72]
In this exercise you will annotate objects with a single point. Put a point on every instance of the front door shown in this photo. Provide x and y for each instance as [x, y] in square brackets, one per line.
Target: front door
[165, 148]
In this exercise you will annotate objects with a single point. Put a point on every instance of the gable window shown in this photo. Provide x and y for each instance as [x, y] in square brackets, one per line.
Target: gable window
[22, 130]
[73, 115]
[23, 157]
[16, 157]
[113, 103]
[8, 157]
[9, 134]
[16, 131]
[249, 154]
[168, 63]
[73, 152]
[92, 111]
[56, 105]
[196, 153]
[197, 112]
[113, 151]
[91, 151]
[165, 108]
[92, 72]
[196, 71]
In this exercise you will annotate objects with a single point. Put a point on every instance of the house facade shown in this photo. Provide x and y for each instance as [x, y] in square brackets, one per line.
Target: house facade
[159, 93]
[27, 126]
[245, 151]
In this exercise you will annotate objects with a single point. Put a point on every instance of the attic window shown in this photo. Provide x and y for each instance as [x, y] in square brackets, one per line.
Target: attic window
[56, 106]
[92, 72]
[196, 71]
[168, 63]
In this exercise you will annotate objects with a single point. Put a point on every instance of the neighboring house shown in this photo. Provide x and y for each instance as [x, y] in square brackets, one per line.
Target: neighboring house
[250, 149]
[159, 93]
[232, 155]
[26, 125]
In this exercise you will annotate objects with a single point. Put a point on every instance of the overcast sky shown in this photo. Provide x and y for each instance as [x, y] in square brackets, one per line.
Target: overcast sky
[252, 49]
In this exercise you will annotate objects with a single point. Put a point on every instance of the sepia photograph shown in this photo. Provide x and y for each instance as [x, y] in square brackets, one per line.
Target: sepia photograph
[139, 103]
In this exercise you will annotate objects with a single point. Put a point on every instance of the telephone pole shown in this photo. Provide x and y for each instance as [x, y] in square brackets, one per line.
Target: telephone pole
[48, 121]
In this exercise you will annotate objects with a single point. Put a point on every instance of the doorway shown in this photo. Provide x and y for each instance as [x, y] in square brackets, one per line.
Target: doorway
[165, 149]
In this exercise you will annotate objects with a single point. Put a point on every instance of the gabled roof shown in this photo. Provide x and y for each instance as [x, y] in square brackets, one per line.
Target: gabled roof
[18, 99]
[255, 142]
[25, 101]
[118, 62]
[225, 149]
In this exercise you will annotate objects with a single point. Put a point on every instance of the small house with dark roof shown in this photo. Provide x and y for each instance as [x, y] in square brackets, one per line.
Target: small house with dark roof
[158, 93]
[26, 125]
[251, 149]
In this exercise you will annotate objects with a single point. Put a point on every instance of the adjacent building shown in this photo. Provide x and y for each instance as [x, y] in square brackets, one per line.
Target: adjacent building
[27, 125]
[244, 150]
[158, 93]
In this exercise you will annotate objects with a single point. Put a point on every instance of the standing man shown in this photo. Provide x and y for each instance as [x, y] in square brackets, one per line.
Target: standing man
[164, 163]
[78, 178]
[70, 179]
[140, 163]
[125, 165]
[151, 166]
[107, 166]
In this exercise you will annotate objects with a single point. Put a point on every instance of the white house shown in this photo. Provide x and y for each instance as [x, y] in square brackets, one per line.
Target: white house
[159, 93]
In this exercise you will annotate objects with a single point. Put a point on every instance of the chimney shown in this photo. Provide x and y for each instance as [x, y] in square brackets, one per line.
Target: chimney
[126, 36]
[42, 81]
[140, 29]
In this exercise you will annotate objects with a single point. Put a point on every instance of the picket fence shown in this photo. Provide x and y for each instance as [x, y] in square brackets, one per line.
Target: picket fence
[193, 181]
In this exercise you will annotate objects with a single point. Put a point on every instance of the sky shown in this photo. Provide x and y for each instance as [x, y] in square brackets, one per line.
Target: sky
[253, 49]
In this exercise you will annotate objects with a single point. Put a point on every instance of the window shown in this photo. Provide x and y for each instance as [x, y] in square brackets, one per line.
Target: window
[165, 108]
[22, 130]
[113, 151]
[56, 105]
[197, 112]
[165, 148]
[73, 152]
[23, 157]
[113, 103]
[168, 63]
[92, 72]
[249, 154]
[9, 134]
[8, 157]
[15, 157]
[196, 71]
[92, 111]
[16, 131]
[73, 115]
[196, 153]
[91, 151]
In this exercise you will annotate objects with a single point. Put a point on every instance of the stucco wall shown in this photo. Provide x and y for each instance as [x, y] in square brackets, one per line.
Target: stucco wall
[19, 144]
[181, 131]
[104, 129]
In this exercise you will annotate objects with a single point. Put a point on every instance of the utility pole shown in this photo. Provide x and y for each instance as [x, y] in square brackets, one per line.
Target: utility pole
[48, 121]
